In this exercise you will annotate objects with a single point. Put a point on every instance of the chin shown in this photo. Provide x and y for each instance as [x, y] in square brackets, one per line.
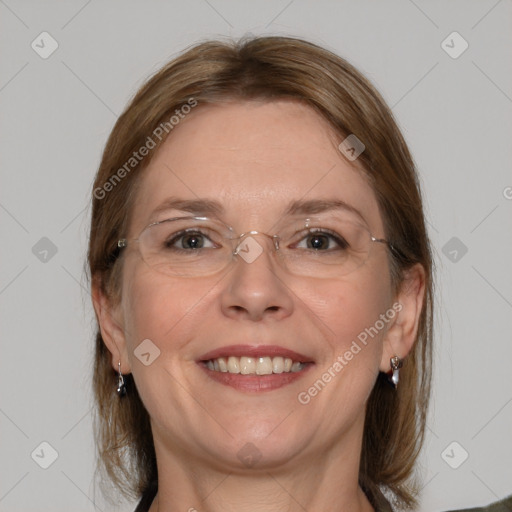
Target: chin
[262, 445]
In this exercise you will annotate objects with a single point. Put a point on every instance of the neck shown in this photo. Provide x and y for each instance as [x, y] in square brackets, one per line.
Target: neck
[270, 494]
[328, 481]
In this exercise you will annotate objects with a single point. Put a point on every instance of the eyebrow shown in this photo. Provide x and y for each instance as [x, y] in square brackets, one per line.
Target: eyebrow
[313, 206]
[195, 206]
[300, 207]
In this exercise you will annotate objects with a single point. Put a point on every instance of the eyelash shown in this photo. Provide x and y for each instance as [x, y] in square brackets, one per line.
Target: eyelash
[339, 240]
[176, 237]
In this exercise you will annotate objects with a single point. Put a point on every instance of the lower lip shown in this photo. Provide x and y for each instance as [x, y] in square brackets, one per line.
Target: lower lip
[255, 383]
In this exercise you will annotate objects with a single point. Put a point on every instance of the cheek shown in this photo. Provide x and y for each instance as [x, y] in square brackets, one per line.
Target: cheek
[341, 385]
[351, 310]
[167, 312]
[348, 308]
[156, 306]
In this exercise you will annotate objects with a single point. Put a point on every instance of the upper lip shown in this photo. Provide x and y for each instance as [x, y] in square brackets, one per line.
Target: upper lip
[255, 351]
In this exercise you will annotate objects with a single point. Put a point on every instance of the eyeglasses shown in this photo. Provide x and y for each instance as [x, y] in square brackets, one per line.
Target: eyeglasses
[325, 246]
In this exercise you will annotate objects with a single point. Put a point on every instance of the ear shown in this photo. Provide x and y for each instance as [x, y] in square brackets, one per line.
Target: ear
[400, 337]
[111, 327]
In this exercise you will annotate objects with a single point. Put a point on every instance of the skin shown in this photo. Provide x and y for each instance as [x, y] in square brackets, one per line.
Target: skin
[255, 158]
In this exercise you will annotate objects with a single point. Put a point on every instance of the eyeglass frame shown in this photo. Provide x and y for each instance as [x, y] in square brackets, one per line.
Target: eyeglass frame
[123, 242]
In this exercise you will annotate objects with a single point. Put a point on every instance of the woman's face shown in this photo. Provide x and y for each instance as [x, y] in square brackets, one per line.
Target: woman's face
[254, 160]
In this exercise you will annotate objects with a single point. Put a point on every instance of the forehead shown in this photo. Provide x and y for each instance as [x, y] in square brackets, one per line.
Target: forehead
[254, 159]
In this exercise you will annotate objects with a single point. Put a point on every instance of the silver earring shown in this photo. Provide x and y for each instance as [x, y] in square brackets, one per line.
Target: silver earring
[396, 363]
[121, 387]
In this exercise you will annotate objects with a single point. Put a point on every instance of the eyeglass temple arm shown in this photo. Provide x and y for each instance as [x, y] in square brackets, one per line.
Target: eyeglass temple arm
[397, 252]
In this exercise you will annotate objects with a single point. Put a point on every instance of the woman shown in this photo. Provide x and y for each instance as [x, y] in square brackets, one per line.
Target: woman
[262, 281]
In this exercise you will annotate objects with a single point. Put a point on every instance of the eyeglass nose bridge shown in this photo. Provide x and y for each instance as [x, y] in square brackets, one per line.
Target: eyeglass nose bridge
[239, 247]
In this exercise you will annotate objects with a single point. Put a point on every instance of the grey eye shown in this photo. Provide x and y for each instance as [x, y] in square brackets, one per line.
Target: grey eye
[189, 240]
[322, 241]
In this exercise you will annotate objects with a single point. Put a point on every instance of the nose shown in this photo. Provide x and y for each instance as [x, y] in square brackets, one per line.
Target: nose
[254, 289]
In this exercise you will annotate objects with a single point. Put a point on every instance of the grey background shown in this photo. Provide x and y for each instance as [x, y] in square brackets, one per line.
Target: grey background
[56, 114]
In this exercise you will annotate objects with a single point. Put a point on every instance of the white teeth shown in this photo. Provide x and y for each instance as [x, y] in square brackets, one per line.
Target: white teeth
[296, 367]
[222, 364]
[277, 365]
[247, 365]
[233, 365]
[265, 365]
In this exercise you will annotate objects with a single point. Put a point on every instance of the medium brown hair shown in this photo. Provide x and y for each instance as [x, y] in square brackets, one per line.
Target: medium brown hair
[267, 68]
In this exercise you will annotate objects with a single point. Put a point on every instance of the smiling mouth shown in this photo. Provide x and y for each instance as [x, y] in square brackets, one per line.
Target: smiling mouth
[255, 368]
[248, 365]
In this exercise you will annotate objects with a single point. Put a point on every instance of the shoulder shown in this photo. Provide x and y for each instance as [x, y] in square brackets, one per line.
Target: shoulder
[504, 505]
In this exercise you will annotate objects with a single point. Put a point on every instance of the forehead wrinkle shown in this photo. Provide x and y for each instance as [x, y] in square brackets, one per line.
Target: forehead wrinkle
[314, 206]
[212, 207]
[194, 206]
